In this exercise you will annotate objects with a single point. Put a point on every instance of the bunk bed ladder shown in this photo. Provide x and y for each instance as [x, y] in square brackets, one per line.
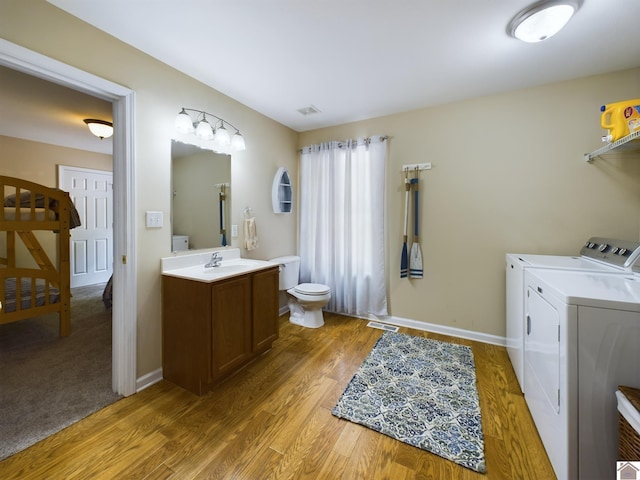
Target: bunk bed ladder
[38, 253]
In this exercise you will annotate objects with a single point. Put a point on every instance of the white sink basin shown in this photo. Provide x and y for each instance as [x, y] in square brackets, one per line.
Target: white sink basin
[222, 269]
[227, 268]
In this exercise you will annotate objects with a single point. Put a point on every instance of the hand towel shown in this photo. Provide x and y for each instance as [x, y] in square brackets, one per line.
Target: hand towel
[250, 234]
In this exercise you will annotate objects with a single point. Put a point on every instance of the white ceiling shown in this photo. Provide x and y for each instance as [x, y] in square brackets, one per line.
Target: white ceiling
[352, 59]
[38, 110]
[358, 59]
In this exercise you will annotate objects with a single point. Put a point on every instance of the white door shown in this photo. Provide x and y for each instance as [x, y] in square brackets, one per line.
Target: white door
[91, 243]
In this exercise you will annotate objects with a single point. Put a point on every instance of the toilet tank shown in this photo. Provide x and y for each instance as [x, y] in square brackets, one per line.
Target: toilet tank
[289, 271]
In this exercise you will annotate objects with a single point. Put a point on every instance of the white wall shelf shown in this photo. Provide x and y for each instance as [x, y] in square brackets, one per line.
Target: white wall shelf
[282, 192]
[629, 143]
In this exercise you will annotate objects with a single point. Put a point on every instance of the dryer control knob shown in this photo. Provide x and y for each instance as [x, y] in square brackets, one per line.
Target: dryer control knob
[622, 251]
[603, 247]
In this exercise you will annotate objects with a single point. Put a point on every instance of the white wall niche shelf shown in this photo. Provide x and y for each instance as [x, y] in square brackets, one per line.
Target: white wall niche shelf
[282, 192]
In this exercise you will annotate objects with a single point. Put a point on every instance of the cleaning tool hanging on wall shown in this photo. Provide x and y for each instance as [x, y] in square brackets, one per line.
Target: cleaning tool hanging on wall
[403, 257]
[415, 260]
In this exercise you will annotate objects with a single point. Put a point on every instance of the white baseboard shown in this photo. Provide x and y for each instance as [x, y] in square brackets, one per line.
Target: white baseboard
[148, 379]
[444, 330]
[430, 327]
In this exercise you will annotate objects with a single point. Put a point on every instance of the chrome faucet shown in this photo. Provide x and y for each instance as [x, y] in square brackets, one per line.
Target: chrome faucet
[216, 258]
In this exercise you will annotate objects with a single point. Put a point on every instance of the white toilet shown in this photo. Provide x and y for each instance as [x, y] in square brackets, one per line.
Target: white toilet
[305, 300]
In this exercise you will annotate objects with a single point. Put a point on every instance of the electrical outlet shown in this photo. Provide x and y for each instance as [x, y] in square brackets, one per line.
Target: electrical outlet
[234, 231]
[154, 219]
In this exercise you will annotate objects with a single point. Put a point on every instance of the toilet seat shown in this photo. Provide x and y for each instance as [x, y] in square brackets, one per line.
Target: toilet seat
[312, 289]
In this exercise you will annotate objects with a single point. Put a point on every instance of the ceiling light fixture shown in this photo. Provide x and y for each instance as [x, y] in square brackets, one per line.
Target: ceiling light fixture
[100, 128]
[310, 110]
[201, 128]
[542, 20]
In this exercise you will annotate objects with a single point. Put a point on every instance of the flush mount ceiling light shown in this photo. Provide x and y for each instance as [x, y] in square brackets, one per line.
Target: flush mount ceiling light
[201, 128]
[542, 20]
[100, 128]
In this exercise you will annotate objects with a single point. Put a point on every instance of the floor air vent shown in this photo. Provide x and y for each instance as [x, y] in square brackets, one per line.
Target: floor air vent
[382, 326]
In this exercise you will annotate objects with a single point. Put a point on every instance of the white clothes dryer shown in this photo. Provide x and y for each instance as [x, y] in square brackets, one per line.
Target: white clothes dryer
[582, 340]
[598, 254]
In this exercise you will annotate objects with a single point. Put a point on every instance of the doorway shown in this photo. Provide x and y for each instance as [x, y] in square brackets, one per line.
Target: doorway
[124, 245]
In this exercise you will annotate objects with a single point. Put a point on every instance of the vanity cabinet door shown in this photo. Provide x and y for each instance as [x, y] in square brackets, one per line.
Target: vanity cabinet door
[186, 333]
[231, 324]
[265, 309]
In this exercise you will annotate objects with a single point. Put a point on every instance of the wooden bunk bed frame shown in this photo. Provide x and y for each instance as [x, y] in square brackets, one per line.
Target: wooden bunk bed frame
[40, 290]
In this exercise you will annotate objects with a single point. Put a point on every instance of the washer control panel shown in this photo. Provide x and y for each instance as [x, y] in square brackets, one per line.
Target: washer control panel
[620, 253]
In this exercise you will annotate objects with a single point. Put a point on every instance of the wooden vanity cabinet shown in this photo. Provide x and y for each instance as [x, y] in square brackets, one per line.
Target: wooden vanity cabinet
[266, 306]
[210, 330]
[231, 324]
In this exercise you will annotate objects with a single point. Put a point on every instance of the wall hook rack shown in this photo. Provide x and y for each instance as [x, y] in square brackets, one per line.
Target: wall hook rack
[416, 166]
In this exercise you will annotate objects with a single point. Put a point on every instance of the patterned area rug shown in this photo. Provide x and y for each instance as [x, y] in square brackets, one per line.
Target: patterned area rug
[421, 392]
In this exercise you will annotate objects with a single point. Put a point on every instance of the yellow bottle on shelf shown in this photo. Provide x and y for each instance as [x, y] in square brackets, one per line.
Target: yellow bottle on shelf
[620, 119]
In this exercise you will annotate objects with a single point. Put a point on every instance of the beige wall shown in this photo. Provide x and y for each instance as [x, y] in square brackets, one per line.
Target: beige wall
[508, 176]
[160, 92]
[38, 162]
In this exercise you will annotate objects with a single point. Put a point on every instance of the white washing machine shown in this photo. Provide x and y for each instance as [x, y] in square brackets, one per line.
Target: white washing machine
[582, 340]
[598, 254]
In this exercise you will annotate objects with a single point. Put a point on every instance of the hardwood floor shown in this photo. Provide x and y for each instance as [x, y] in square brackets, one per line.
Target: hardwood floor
[273, 421]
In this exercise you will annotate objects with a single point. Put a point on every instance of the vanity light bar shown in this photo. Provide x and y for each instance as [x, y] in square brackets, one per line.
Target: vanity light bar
[204, 130]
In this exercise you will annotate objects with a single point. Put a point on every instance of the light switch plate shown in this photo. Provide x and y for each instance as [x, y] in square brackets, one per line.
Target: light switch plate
[154, 219]
[234, 231]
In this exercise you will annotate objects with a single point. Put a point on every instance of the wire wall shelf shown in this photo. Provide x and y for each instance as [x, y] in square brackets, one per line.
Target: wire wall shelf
[628, 143]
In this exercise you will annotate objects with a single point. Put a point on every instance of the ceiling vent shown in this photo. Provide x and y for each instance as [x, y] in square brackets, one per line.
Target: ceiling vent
[310, 110]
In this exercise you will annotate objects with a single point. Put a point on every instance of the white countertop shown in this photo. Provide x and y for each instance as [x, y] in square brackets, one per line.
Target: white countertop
[192, 266]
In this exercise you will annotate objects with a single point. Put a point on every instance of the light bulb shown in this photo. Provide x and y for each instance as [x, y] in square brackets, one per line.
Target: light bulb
[204, 130]
[237, 142]
[222, 136]
[183, 123]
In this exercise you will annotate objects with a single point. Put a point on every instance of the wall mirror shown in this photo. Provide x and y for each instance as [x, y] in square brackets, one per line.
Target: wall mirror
[201, 197]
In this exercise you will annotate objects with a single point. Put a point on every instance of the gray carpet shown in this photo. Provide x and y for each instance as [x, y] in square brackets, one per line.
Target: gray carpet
[48, 382]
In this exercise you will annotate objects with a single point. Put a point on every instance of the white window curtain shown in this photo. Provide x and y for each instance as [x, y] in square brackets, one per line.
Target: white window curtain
[341, 234]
